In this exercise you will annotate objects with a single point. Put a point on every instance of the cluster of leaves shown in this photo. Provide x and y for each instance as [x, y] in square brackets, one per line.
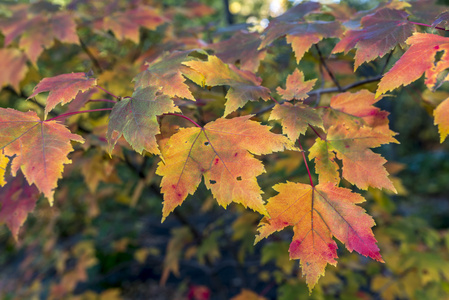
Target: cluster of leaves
[222, 139]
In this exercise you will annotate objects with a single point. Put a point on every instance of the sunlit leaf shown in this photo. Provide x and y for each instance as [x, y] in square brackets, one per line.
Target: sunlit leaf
[40, 148]
[223, 153]
[318, 214]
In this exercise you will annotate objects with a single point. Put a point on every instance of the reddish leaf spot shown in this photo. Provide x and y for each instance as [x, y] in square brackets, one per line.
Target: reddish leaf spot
[436, 47]
[216, 161]
[235, 155]
[202, 170]
[173, 186]
[346, 146]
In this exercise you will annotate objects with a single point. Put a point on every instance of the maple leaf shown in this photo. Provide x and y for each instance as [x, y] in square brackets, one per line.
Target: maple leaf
[302, 35]
[361, 166]
[125, 25]
[382, 31]
[38, 30]
[136, 119]
[417, 60]
[222, 152]
[13, 66]
[244, 85]
[3, 163]
[242, 47]
[40, 147]
[17, 200]
[441, 119]
[361, 126]
[355, 110]
[296, 87]
[296, 118]
[166, 72]
[63, 88]
[442, 18]
[317, 214]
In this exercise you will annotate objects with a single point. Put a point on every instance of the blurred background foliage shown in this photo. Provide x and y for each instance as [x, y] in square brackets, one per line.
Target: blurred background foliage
[103, 238]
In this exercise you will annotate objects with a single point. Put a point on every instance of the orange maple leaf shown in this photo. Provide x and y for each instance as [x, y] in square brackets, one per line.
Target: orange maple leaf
[361, 166]
[357, 109]
[40, 147]
[244, 85]
[296, 87]
[136, 119]
[317, 214]
[165, 73]
[221, 152]
[295, 118]
[418, 60]
[353, 125]
[63, 88]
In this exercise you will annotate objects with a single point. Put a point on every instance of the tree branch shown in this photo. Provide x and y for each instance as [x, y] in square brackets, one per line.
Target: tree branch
[327, 91]
[323, 62]
[93, 59]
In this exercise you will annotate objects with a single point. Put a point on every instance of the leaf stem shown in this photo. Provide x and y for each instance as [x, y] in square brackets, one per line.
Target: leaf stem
[274, 100]
[316, 132]
[102, 100]
[427, 25]
[305, 162]
[77, 112]
[187, 118]
[107, 92]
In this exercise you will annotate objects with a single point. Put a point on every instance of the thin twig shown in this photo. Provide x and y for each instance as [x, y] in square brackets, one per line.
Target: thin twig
[107, 92]
[427, 25]
[274, 100]
[316, 132]
[327, 91]
[187, 118]
[323, 62]
[318, 96]
[94, 60]
[102, 100]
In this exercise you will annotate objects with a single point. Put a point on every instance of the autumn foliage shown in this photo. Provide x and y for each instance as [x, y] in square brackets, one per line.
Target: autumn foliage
[201, 105]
